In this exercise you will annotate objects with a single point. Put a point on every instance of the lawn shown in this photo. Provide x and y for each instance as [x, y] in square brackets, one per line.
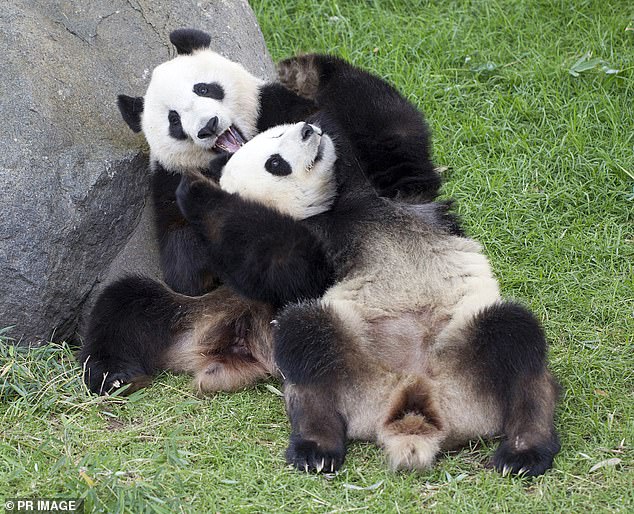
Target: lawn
[532, 109]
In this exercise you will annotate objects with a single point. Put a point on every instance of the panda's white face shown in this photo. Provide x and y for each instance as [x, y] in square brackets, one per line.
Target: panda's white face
[288, 167]
[196, 105]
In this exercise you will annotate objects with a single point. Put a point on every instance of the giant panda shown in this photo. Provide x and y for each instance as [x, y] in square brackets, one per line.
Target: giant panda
[139, 327]
[200, 104]
[197, 106]
[411, 345]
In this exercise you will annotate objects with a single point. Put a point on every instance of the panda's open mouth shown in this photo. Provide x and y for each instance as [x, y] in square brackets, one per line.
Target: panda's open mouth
[318, 155]
[229, 141]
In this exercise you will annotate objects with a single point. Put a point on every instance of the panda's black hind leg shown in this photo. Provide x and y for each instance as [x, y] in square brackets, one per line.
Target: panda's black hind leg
[128, 331]
[531, 462]
[510, 354]
[307, 352]
[318, 436]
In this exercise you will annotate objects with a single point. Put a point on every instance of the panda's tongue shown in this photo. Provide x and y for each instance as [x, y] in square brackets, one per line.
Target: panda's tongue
[229, 141]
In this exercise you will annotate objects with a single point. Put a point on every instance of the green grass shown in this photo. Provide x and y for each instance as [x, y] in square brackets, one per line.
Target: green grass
[542, 166]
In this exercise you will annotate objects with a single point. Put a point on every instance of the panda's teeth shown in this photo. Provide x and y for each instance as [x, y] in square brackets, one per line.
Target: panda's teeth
[230, 140]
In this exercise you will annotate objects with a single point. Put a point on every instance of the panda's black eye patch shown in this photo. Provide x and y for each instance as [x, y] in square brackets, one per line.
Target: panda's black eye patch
[210, 90]
[174, 118]
[176, 127]
[276, 165]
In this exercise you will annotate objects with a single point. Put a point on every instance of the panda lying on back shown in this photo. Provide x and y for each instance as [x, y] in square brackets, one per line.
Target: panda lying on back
[200, 104]
[411, 346]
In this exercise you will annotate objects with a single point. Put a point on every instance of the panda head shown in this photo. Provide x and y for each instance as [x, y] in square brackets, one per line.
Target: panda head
[290, 168]
[196, 105]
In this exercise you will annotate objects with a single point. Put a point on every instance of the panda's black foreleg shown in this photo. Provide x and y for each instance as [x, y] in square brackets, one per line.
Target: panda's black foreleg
[183, 252]
[308, 354]
[128, 331]
[509, 353]
[279, 105]
[260, 253]
[389, 134]
[184, 261]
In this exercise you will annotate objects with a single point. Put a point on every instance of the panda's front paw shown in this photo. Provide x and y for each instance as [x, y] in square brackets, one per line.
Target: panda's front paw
[307, 455]
[300, 74]
[194, 196]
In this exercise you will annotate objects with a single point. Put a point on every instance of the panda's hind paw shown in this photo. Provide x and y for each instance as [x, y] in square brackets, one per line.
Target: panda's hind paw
[108, 382]
[527, 462]
[308, 456]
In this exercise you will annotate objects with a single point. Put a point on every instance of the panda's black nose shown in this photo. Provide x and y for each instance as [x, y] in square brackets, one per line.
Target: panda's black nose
[209, 129]
[307, 131]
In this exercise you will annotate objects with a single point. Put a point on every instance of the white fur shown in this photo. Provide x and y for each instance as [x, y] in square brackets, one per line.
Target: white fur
[310, 188]
[171, 88]
[411, 451]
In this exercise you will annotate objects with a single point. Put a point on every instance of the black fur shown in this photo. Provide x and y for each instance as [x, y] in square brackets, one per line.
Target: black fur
[307, 346]
[131, 108]
[278, 105]
[175, 126]
[214, 171]
[532, 462]
[188, 40]
[509, 353]
[210, 90]
[389, 135]
[258, 252]
[318, 436]
[308, 455]
[184, 258]
[508, 340]
[276, 165]
[307, 350]
[128, 329]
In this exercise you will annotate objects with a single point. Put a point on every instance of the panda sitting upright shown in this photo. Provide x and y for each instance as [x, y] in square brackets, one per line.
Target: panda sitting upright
[411, 346]
[200, 104]
[139, 326]
[197, 106]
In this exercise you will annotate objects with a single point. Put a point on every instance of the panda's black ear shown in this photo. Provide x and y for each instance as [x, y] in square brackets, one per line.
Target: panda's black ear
[188, 40]
[214, 170]
[131, 108]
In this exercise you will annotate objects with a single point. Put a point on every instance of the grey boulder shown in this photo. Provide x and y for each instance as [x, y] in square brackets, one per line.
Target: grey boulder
[73, 178]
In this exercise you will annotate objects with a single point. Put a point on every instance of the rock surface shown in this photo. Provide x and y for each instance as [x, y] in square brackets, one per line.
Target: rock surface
[73, 179]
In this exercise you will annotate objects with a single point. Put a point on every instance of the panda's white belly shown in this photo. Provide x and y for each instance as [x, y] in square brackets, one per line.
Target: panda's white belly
[405, 292]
